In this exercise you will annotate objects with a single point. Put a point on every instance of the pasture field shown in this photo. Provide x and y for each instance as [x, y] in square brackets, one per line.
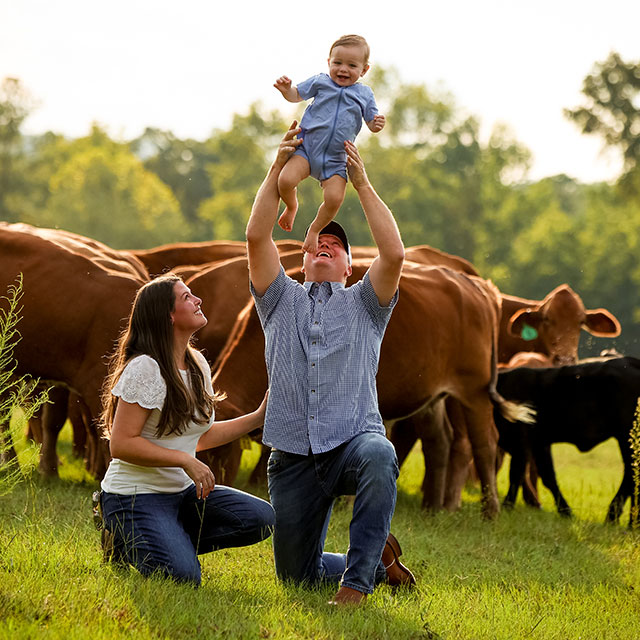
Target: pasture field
[530, 574]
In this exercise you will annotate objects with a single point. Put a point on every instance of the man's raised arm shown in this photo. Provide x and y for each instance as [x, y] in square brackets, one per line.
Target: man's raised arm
[387, 267]
[264, 260]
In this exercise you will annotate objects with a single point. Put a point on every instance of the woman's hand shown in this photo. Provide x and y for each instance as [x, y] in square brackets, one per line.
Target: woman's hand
[201, 475]
[262, 409]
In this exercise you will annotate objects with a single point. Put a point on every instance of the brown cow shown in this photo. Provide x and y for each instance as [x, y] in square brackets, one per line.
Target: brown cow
[224, 289]
[101, 254]
[73, 311]
[429, 353]
[46, 423]
[183, 254]
[164, 258]
[423, 254]
[528, 359]
[551, 326]
[542, 333]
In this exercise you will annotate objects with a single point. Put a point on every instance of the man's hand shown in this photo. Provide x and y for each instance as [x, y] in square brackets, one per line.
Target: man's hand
[264, 259]
[288, 145]
[355, 166]
[377, 124]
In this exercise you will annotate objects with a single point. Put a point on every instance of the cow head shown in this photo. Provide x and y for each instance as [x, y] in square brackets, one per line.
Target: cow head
[557, 322]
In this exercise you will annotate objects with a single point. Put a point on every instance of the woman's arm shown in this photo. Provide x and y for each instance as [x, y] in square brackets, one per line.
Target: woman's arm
[128, 444]
[228, 430]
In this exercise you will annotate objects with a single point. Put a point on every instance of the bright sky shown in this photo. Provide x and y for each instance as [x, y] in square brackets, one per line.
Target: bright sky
[188, 66]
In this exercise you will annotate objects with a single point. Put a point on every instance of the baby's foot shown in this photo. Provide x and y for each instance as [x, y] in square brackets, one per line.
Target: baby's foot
[286, 219]
[310, 244]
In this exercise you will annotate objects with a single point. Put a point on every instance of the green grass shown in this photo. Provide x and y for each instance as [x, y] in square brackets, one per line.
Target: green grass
[530, 574]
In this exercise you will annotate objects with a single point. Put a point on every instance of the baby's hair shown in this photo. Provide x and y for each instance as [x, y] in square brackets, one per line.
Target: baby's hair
[349, 41]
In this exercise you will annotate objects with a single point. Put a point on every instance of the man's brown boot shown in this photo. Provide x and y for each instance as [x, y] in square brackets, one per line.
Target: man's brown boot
[397, 574]
[348, 596]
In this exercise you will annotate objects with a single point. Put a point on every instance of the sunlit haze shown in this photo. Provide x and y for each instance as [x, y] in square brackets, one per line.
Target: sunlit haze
[189, 66]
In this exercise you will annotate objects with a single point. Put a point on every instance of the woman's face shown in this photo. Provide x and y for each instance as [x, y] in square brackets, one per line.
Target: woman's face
[187, 315]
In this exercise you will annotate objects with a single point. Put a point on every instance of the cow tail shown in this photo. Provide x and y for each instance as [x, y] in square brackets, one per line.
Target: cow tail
[511, 411]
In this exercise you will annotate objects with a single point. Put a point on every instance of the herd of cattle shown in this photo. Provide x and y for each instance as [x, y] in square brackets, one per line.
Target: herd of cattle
[450, 366]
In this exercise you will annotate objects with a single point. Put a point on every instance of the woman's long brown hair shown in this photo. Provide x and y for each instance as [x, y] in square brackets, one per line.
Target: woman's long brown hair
[150, 332]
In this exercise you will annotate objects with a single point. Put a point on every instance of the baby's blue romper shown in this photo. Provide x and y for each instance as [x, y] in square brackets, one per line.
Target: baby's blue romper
[335, 115]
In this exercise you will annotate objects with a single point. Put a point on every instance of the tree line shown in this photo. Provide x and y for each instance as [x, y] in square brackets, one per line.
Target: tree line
[446, 187]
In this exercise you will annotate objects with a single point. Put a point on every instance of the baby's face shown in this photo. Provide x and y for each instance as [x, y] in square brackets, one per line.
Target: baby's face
[346, 64]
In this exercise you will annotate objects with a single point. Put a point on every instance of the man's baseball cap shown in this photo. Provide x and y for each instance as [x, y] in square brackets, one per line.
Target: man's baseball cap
[335, 229]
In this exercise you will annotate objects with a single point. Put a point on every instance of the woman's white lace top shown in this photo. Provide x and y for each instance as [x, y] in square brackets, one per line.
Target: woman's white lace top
[142, 383]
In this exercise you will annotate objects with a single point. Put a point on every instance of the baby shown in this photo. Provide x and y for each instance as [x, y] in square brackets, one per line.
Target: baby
[335, 115]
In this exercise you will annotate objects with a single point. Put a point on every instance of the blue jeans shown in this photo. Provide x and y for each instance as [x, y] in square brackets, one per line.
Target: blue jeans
[303, 490]
[165, 532]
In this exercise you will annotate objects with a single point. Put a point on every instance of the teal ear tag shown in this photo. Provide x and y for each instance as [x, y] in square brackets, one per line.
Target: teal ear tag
[528, 333]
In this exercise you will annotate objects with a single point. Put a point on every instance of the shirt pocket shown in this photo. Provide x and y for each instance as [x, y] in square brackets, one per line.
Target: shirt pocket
[338, 329]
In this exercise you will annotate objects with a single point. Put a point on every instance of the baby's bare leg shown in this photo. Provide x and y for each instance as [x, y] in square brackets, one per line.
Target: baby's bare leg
[296, 170]
[334, 189]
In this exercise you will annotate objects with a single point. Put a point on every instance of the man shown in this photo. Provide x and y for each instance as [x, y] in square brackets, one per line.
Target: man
[322, 422]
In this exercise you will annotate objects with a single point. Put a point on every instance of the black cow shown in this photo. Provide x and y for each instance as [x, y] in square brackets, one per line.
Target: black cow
[584, 404]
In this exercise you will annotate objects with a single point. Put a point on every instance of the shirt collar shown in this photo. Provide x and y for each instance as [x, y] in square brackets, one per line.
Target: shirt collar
[312, 290]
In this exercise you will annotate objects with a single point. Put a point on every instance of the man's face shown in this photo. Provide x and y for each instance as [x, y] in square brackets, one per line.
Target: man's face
[330, 262]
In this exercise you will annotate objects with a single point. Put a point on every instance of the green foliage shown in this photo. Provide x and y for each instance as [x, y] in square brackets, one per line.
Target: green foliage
[15, 105]
[634, 441]
[182, 166]
[611, 109]
[241, 160]
[106, 193]
[17, 393]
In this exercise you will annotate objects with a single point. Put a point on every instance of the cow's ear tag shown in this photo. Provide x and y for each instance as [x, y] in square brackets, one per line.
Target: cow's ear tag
[528, 333]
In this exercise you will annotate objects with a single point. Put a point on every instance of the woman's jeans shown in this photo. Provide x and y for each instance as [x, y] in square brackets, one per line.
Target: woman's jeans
[165, 532]
[303, 490]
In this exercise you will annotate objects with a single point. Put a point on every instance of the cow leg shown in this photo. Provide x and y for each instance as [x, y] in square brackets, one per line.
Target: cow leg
[97, 455]
[403, 437]
[54, 416]
[516, 477]
[483, 436]
[435, 432]
[8, 456]
[34, 426]
[79, 417]
[626, 488]
[544, 462]
[529, 485]
[459, 456]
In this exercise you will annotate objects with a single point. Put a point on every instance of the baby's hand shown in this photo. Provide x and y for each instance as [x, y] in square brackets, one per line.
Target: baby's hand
[282, 84]
[377, 124]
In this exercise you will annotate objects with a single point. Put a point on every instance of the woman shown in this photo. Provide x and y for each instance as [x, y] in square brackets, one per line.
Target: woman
[160, 503]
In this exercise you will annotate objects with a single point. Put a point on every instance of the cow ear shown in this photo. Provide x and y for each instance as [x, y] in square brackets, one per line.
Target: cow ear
[524, 323]
[602, 323]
